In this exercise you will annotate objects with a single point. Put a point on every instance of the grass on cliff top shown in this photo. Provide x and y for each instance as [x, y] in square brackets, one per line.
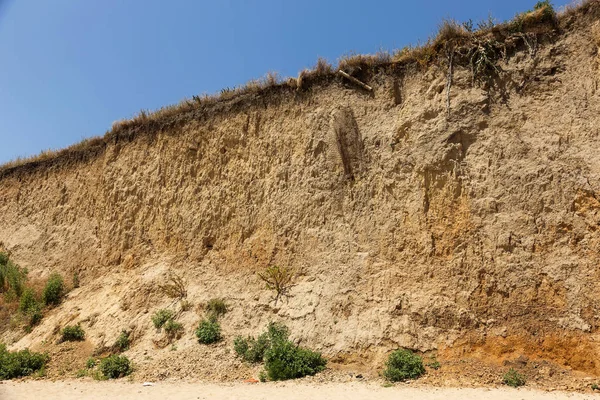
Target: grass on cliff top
[450, 31]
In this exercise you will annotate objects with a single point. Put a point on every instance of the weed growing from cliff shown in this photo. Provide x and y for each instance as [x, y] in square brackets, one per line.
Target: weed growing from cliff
[161, 317]
[173, 329]
[122, 342]
[175, 286]
[12, 278]
[250, 349]
[115, 366]
[208, 331]
[216, 307]
[402, 365]
[513, 378]
[30, 307]
[72, 333]
[279, 279]
[54, 290]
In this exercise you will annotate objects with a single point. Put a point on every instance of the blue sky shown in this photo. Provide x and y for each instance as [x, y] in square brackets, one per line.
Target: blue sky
[70, 68]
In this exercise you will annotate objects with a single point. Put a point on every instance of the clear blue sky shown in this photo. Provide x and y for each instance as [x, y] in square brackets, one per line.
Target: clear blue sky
[69, 68]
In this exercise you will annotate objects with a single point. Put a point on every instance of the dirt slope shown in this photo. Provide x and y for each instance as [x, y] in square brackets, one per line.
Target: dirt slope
[471, 230]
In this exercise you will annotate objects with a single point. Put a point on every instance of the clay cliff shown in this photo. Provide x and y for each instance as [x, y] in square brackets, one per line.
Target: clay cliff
[450, 209]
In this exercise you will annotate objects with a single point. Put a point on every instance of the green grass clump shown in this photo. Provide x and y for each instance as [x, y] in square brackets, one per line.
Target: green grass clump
[283, 359]
[160, 317]
[173, 329]
[208, 331]
[115, 366]
[54, 290]
[20, 363]
[251, 350]
[72, 333]
[12, 278]
[403, 364]
[216, 307]
[513, 378]
[30, 307]
[122, 342]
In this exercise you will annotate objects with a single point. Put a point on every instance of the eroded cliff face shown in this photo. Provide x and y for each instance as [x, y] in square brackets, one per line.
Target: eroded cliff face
[472, 229]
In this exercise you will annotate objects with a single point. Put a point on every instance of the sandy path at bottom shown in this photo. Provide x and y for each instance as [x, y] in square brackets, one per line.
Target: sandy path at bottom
[89, 390]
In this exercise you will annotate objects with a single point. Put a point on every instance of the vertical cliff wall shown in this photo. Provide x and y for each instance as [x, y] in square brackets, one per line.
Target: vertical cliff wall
[472, 229]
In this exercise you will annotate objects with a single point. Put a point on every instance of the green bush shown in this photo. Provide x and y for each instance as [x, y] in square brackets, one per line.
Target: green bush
[72, 333]
[250, 349]
[160, 317]
[30, 307]
[209, 331]
[284, 360]
[122, 342]
[173, 329]
[20, 363]
[115, 366]
[54, 290]
[90, 363]
[12, 279]
[3, 259]
[402, 364]
[216, 307]
[513, 378]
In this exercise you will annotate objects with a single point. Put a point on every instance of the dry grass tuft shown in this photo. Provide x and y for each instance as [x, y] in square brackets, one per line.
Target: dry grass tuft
[450, 29]
[354, 61]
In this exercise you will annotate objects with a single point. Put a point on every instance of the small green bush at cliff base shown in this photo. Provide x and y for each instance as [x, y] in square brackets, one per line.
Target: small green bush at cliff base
[402, 365]
[115, 366]
[54, 290]
[122, 342]
[284, 360]
[20, 363]
[3, 258]
[160, 317]
[72, 333]
[209, 331]
[513, 378]
[251, 350]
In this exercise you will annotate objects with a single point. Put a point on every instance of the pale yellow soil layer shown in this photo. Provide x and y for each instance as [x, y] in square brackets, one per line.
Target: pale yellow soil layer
[67, 390]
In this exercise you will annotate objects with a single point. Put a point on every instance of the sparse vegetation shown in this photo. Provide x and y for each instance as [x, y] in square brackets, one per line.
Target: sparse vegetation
[30, 307]
[513, 378]
[54, 290]
[20, 363]
[208, 331]
[250, 349]
[91, 363]
[279, 279]
[122, 342]
[161, 317]
[175, 286]
[283, 359]
[72, 333]
[115, 366]
[595, 386]
[12, 278]
[402, 365]
[173, 329]
[216, 307]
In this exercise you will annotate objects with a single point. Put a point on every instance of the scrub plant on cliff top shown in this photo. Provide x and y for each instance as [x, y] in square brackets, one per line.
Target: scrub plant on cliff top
[402, 365]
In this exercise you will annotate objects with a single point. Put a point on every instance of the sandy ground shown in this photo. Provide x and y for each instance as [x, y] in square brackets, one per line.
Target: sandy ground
[89, 390]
